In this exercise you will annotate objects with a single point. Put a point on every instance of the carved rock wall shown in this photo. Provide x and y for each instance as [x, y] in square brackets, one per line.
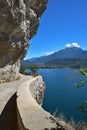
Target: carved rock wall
[37, 89]
[19, 20]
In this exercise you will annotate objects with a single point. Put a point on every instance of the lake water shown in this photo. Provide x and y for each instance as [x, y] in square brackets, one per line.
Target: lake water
[61, 93]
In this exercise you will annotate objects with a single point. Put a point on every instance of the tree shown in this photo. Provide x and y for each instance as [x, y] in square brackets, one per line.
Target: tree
[34, 68]
[22, 69]
[83, 106]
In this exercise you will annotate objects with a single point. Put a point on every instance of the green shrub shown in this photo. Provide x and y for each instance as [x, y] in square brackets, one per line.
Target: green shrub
[22, 69]
[34, 68]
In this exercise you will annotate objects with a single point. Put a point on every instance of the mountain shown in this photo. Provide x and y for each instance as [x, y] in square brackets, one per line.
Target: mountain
[65, 63]
[64, 54]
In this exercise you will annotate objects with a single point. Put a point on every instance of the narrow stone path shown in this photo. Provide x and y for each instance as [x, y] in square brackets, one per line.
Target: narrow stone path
[8, 116]
[33, 116]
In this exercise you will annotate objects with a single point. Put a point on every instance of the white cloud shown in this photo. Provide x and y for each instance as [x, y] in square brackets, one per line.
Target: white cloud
[74, 44]
[48, 53]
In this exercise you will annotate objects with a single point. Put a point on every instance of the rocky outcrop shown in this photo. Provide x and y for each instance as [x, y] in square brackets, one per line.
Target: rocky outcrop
[36, 9]
[19, 20]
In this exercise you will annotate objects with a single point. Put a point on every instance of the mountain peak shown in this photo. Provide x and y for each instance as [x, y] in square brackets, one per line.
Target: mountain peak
[78, 48]
[67, 53]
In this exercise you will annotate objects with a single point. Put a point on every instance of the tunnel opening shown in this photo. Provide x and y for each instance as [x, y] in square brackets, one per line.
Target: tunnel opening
[8, 117]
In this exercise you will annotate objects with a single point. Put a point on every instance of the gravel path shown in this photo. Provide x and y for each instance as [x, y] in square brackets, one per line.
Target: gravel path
[8, 119]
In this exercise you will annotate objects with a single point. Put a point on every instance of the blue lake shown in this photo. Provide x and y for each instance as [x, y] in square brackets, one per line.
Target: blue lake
[61, 93]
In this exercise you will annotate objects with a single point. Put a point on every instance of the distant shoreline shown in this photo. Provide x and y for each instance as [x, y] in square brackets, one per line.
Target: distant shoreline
[58, 67]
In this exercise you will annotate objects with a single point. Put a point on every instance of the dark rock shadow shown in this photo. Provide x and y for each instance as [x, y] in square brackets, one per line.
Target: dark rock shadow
[8, 118]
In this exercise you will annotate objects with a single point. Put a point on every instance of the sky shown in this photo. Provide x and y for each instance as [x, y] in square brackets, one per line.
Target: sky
[63, 24]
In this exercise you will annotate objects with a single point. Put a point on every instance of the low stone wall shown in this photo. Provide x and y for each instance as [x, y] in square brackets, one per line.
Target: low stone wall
[37, 89]
[31, 116]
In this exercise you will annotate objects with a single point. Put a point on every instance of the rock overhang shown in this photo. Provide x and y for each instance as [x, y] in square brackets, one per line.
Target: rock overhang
[19, 21]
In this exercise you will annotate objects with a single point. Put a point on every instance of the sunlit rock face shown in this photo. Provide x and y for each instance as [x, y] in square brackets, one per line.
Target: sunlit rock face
[19, 20]
[36, 9]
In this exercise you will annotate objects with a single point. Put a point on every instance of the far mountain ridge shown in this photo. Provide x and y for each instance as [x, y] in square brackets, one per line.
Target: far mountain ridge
[57, 53]
[65, 63]
[72, 52]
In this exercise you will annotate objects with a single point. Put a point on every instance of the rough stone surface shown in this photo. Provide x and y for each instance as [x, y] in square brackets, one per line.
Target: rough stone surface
[36, 9]
[19, 20]
[10, 72]
[37, 89]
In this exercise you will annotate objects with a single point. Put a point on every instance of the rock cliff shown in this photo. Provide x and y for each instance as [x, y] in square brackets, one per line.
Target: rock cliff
[19, 20]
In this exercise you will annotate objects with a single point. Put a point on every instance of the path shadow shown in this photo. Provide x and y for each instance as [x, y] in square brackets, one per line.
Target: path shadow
[8, 118]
